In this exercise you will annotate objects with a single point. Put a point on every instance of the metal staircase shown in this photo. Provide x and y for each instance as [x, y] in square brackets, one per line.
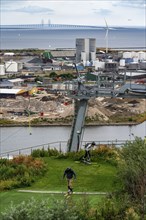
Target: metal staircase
[78, 123]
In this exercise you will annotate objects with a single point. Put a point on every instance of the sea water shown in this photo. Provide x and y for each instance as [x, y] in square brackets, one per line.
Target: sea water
[19, 38]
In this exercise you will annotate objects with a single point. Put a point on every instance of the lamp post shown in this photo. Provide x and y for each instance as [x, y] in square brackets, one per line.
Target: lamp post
[78, 138]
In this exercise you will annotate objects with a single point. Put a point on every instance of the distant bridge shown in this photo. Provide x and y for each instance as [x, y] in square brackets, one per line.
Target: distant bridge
[49, 26]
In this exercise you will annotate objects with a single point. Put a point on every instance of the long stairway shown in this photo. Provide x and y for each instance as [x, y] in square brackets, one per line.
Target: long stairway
[78, 123]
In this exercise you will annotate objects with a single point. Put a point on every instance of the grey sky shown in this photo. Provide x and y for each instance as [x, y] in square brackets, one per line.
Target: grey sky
[87, 12]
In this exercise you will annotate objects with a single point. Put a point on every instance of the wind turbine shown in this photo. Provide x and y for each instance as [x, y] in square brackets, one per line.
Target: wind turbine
[106, 35]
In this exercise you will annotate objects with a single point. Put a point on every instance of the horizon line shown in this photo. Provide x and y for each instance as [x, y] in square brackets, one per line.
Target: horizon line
[64, 25]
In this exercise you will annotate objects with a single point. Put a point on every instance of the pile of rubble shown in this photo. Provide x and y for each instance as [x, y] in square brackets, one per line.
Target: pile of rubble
[59, 106]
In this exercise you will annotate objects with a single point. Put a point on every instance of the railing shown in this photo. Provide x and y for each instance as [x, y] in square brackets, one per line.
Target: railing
[61, 146]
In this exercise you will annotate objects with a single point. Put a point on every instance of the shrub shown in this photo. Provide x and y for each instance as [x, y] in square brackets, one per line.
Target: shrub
[72, 155]
[117, 207]
[45, 153]
[26, 180]
[106, 153]
[39, 153]
[47, 210]
[53, 152]
[8, 184]
[20, 171]
[6, 172]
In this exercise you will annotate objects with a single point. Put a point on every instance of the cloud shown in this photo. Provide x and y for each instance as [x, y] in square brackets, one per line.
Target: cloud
[117, 12]
[34, 9]
[103, 12]
[141, 4]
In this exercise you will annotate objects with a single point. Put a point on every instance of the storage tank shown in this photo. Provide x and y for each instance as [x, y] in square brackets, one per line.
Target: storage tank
[84, 63]
[93, 56]
[127, 55]
[135, 59]
[133, 54]
[122, 62]
[141, 55]
[88, 63]
[2, 69]
[11, 66]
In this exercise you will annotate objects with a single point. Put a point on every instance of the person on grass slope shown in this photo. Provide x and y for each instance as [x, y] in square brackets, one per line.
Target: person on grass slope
[70, 174]
[88, 147]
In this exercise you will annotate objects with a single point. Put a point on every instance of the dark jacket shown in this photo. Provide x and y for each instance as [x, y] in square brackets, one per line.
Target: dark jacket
[69, 173]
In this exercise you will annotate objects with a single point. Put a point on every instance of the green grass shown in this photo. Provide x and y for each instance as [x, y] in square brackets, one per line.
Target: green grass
[15, 197]
[90, 178]
[94, 177]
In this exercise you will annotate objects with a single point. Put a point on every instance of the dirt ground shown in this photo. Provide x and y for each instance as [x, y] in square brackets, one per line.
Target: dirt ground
[58, 106]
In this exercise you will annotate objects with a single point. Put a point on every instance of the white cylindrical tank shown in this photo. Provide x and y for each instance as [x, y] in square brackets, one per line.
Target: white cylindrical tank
[11, 66]
[133, 54]
[93, 62]
[2, 69]
[93, 56]
[141, 55]
[88, 63]
[84, 63]
[99, 65]
[135, 59]
[83, 56]
[127, 55]
[122, 62]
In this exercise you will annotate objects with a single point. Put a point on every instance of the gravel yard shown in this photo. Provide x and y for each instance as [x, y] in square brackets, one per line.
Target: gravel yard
[58, 106]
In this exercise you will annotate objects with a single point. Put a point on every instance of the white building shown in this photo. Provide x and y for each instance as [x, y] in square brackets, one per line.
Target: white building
[85, 49]
[9, 54]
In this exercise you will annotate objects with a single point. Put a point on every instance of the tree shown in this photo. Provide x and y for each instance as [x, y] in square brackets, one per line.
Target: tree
[53, 75]
[132, 171]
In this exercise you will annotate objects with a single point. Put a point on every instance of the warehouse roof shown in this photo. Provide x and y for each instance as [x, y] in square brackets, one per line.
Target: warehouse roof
[11, 91]
[16, 80]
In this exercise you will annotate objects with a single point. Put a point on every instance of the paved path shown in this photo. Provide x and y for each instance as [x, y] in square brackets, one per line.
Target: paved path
[62, 192]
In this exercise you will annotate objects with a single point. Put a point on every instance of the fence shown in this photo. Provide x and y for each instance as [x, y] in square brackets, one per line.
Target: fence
[61, 146]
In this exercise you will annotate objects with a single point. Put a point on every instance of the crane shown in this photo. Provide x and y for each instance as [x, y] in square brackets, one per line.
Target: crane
[81, 93]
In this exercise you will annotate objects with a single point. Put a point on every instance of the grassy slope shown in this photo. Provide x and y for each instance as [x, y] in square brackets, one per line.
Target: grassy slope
[95, 177]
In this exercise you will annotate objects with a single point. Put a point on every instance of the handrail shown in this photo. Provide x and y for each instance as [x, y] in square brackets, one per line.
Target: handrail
[61, 146]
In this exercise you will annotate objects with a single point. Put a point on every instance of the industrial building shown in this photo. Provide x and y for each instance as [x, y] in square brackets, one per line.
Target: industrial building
[12, 93]
[85, 49]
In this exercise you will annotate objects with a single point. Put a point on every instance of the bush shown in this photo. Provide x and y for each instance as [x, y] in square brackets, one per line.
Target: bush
[45, 153]
[106, 153]
[20, 171]
[45, 210]
[6, 172]
[8, 184]
[116, 208]
[26, 180]
[37, 153]
[53, 152]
